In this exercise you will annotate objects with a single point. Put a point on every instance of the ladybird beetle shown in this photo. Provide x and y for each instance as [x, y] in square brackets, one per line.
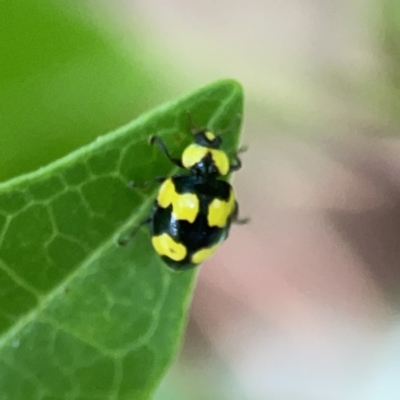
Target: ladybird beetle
[193, 212]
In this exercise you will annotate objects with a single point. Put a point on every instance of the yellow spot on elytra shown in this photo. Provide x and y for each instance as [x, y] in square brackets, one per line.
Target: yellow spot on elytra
[219, 211]
[185, 206]
[203, 254]
[166, 194]
[210, 136]
[164, 245]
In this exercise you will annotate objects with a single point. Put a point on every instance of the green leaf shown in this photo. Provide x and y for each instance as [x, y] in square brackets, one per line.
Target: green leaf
[81, 318]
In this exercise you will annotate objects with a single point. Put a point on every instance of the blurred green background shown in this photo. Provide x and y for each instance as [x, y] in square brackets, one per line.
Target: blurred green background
[303, 302]
[66, 76]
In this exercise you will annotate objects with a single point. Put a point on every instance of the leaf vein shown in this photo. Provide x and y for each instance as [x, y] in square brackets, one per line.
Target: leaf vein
[18, 280]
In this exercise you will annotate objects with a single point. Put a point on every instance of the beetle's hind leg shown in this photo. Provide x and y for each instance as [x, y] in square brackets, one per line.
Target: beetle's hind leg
[124, 239]
[134, 184]
[241, 221]
[235, 217]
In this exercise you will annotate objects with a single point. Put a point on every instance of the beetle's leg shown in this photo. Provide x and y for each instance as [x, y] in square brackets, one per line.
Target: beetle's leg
[156, 140]
[235, 217]
[236, 165]
[237, 162]
[123, 241]
[133, 184]
[241, 221]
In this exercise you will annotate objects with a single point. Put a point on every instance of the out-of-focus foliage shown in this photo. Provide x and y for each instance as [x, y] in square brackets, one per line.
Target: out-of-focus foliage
[63, 81]
[391, 46]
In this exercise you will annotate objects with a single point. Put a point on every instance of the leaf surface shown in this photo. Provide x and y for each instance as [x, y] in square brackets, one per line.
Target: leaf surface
[81, 318]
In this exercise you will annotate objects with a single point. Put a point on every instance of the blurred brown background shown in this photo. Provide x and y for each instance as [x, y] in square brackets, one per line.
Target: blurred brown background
[303, 302]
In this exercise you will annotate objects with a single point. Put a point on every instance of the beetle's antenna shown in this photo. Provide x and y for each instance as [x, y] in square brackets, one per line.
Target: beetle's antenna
[192, 126]
[231, 125]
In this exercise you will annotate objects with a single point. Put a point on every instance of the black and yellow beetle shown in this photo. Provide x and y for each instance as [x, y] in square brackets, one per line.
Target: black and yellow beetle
[193, 212]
